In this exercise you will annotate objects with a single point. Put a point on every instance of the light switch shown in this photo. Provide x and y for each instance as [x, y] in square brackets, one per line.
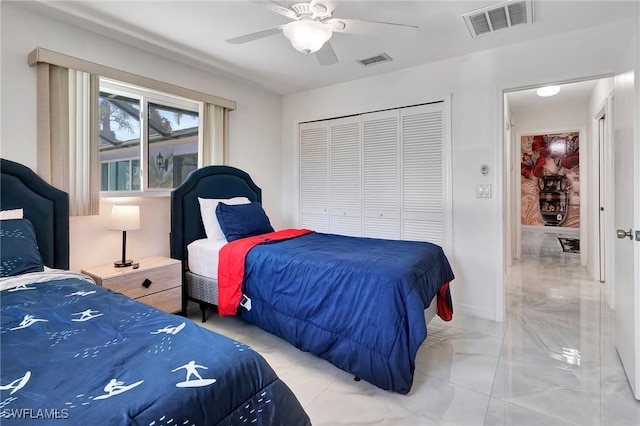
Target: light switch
[483, 191]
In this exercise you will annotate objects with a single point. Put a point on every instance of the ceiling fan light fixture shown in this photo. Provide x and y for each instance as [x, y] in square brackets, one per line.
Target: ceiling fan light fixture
[307, 36]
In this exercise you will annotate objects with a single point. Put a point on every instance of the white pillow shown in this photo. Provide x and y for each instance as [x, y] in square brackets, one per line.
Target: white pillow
[209, 218]
[11, 214]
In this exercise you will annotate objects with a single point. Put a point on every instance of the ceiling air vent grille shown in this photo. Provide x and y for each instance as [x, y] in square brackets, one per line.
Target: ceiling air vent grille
[499, 17]
[383, 57]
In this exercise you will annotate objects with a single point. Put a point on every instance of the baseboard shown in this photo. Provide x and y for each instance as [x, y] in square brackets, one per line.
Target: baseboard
[551, 229]
[473, 311]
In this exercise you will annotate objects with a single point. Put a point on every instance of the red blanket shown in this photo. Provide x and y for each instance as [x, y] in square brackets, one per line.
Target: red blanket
[445, 307]
[231, 266]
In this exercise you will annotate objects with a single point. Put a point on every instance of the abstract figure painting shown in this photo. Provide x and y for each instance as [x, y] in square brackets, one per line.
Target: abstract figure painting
[550, 184]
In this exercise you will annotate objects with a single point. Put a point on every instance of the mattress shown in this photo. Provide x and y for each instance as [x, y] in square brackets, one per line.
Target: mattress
[203, 257]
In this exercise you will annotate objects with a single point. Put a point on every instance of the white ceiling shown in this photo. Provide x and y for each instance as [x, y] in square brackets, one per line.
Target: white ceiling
[195, 32]
[570, 93]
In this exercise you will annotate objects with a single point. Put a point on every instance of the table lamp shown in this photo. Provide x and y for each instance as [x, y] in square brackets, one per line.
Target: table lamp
[124, 218]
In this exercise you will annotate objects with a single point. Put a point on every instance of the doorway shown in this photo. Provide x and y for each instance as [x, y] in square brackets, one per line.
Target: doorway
[579, 111]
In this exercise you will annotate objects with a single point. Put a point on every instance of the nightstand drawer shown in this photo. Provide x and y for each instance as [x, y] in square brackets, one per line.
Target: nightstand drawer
[161, 275]
[161, 279]
[168, 300]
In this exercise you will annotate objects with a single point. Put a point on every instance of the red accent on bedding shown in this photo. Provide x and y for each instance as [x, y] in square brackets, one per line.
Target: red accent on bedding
[445, 307]
[231, 266]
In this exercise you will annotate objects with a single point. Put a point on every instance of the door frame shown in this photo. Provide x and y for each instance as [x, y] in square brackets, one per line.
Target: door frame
[506, 171]
[605, 159]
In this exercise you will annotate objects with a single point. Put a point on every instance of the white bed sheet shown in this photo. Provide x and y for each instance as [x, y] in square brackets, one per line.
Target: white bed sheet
[10, 283]
[203, 257]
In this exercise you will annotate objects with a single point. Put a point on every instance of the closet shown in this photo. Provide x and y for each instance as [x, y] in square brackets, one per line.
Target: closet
[382, 174]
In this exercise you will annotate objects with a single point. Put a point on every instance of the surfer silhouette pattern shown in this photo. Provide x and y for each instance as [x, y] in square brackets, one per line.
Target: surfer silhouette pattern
[86, 315]
[169, 329]
[192, 370]
[21, 287]
[28, 321]
[116, 387]
[123, 355]
[17, 384]
[80, 293]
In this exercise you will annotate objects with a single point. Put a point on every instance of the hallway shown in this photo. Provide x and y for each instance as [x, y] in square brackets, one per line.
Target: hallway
[558, 357]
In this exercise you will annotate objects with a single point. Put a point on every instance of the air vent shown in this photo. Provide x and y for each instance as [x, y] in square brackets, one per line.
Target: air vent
[383, 57]
[498, 17]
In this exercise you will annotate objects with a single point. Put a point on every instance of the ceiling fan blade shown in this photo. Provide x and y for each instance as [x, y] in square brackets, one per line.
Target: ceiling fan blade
[276, 7]
[254, 36]
[326, 55]
[372, 28]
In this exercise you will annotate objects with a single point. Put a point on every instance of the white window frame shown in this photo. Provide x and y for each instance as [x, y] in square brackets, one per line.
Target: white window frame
[108, 162]
[145, 96]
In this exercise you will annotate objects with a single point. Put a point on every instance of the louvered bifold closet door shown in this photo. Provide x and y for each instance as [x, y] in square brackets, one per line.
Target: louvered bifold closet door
[381, 177]
[422, 148]
[314, 176]
[345, 176]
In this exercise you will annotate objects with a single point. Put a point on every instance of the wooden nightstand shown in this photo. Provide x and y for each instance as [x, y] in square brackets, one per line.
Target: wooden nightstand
[164, 291]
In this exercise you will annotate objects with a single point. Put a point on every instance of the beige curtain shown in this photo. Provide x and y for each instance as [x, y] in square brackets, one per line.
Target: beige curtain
[68, 135]
[214, 135]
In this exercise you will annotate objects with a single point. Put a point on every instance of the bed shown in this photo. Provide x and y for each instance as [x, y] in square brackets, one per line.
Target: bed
[357, 302]
[75, 353]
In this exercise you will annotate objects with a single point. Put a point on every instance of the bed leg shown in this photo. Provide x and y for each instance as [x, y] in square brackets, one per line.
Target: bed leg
[203, 309]
[356, 378]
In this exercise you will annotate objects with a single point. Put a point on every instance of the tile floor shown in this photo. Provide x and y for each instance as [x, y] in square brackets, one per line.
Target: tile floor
[553, 362]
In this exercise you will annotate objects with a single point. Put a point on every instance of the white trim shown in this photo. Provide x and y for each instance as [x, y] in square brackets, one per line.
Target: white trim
[551, 230]
[448, 177]
[499, 202]
[474, 311]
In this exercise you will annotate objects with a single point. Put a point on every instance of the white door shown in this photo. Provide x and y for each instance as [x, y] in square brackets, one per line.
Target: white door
[346, 176]
[381, 178]
[314, 176]
[627, 216]
[423, 173]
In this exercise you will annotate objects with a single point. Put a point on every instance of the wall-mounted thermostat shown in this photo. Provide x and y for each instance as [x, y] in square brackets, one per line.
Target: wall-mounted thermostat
[484, 170]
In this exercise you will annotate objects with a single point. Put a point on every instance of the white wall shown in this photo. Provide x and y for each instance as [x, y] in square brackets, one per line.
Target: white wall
[254, 128]
[476, 83]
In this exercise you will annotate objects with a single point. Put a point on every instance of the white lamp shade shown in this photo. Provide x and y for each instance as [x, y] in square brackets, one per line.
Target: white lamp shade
[307, 36]
[125, 218]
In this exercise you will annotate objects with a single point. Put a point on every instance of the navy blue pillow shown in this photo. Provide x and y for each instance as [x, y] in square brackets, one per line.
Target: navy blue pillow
[18, 248]
[242, 220]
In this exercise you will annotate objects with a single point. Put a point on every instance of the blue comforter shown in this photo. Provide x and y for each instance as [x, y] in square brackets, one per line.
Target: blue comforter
[74, 353]
[356, 302]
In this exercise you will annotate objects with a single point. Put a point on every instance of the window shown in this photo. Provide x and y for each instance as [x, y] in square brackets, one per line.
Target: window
[149, 141]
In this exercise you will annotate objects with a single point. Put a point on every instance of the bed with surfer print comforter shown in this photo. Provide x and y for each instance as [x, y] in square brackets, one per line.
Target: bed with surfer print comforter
[74, 353]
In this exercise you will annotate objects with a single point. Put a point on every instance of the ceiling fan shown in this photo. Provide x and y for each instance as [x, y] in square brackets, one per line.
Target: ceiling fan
[312, 25]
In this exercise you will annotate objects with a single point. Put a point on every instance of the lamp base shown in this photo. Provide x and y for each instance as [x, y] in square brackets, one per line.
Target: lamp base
[122, 264]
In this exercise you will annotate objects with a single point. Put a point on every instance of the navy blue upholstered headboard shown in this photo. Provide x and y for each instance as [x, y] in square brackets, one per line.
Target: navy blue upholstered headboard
[207, 182]
[45, 206]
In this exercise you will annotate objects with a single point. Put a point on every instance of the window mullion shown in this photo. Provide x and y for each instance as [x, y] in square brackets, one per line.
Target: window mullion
[144, 143]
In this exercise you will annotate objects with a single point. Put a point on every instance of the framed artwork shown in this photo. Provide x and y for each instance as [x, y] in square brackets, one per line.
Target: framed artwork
[550, 183]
